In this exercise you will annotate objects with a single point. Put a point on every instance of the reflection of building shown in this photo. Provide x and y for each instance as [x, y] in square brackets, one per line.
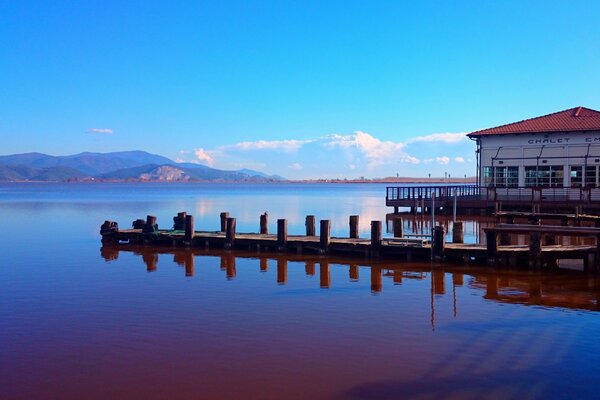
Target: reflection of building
[556, 150]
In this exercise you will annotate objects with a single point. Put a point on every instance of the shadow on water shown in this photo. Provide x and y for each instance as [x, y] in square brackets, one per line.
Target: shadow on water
[565, 289]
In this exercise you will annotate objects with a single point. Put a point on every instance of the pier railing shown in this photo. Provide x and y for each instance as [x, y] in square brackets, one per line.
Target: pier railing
[407, 195]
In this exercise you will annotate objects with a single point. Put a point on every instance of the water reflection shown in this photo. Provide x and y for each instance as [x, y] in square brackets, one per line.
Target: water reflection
[548, 289]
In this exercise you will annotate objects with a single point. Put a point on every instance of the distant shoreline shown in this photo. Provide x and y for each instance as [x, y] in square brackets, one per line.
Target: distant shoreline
[400, 180]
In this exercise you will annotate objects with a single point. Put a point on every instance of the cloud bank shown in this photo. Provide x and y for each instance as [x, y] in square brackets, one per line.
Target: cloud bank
[344, 156]
[105, 131]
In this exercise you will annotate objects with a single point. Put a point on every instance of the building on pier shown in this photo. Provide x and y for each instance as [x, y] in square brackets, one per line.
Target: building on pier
[556, 150]
[550, 162]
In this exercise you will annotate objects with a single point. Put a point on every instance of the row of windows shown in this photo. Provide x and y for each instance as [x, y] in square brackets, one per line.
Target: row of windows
[545, 176]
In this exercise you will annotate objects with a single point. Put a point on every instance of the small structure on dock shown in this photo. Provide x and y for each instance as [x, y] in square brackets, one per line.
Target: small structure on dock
[548, 163]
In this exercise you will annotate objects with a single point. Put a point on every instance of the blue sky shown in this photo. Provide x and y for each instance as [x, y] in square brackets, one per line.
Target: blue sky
[303, 89]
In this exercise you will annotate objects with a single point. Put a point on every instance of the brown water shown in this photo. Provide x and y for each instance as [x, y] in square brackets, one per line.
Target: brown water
[79, 321]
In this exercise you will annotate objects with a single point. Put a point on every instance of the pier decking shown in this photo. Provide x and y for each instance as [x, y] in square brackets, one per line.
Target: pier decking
[475, 199]
[536, 254]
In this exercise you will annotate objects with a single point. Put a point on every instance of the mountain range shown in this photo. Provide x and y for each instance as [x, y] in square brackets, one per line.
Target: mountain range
[116, 166]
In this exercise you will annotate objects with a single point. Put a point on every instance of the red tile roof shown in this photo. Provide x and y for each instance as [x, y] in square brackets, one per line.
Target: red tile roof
[578, 119]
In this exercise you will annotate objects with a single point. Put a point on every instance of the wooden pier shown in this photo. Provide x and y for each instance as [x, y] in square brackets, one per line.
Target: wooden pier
[482, 200]
[537, 254]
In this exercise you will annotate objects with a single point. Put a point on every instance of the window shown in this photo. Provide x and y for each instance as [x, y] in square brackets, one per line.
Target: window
[506, 176]
[544, 176]
[488, 176]
[590, 175]
[576, 175]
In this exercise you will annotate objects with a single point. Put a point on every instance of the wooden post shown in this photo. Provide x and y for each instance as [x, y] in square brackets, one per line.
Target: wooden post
[376, 236]
[264, 224]
[310, 225]
[354, 227]
[179, 221]
[439, 281]
[150, 259]
[535, 250]
[458, 233]
[230, 270]
[224, 216]
[282, 235]
[189, 228]
[151, 225]
[491, 241]
[398, 227]
[325, 238]
[230, 232]
[437, 247]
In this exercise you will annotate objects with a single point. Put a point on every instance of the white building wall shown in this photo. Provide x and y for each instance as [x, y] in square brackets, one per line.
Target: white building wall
[554, 149]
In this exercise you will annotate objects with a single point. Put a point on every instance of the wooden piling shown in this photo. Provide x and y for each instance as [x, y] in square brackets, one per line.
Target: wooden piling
[189, 228]
[310, 225]
[376, 238]
[325, 234]
[437, 247]
[179, 221]
[264, 224]
[282, 235]
[398, 227]
[354, 227]
[491, 241]
[224, 216]
[458, 233]
[535, 250]
[151, 225]
[229, 232]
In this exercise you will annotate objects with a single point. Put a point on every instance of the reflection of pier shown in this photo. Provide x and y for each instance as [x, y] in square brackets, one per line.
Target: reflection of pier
[548, 290]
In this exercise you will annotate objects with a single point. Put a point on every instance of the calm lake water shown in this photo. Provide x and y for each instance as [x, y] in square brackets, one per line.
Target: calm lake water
[78, 321]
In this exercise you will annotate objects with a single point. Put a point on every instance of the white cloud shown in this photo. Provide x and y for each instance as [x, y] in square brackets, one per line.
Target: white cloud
[204, 157]
[459, 159]
[442, 160]
[295, 166]
[283, 145]
[105, 131]
[440, 137]
[376, 152]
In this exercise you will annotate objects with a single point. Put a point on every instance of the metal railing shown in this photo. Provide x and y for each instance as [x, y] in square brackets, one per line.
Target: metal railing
[570, 195]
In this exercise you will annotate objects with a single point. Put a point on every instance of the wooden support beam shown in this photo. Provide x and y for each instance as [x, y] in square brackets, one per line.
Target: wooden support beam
[376, 238]
[325, 234]
[354, 226]
[224, 216]
[229, 232]
[458, 233]
[491, 241]
[188, 263]
[282, 235]
[309, 268]
[189, 228]
[535, 249]
[264, 224]
[437, 247]
[151, 225]
[264, 265]
[353, 272]
[398, 227]
[310, 225]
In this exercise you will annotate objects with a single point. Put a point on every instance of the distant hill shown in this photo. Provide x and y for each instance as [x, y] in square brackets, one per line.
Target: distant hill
[123, 165]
